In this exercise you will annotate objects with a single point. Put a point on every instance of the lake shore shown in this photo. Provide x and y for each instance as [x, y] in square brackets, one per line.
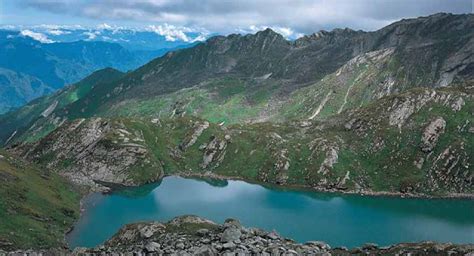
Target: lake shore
[324, 190]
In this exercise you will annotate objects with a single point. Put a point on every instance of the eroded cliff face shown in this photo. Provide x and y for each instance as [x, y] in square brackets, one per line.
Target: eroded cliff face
[94, 153]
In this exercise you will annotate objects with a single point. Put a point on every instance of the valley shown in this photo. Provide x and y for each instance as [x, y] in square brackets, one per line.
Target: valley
[382, 113]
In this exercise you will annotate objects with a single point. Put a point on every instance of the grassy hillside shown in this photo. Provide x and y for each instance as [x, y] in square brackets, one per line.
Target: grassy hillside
[36, 206]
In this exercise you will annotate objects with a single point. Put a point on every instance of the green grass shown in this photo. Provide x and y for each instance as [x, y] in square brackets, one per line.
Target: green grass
[36, 206]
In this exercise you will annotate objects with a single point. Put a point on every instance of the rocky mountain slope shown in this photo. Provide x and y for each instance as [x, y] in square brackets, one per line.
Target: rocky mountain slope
[349, 131]
[263, 77]
[417, 143]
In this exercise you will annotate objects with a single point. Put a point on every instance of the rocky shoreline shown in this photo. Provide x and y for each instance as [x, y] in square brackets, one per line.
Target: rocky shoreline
[211, 175]
[192, 235]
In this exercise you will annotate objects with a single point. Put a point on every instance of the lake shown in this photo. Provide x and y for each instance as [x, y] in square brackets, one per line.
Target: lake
[340, 220]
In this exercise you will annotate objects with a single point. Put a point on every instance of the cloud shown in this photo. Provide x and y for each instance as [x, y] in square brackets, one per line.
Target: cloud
[57, 32]
[37, 36]
[91, 35]
[292, 16]
[288, 33]
[105, 26]
[174, 33]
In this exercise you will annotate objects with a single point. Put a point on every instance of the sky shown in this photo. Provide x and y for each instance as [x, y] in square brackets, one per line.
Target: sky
[291, 18]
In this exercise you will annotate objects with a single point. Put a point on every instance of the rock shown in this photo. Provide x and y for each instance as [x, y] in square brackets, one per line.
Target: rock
[205, 250]
[202, 232]
[319, 244]
[228, 246]
[471, 129]
[458, 104]
[152, 247]
[292, 252]
[231, 234]
[369, 246]
[232, 223]
[179, 246]
[273, 235]
[147, 232]
[431, 134]
[199, 129]
[214, 152]
[419, 163]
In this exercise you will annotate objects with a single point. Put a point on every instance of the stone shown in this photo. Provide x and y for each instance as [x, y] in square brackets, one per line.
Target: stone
[431, 134]
[273, 235]
[369, 246]
[231, 234]
[205, 250]
[319, 244]
[152, 247]
[232, 223]
[228, 245]
[179, 246]
[146, 232]
[202, 232]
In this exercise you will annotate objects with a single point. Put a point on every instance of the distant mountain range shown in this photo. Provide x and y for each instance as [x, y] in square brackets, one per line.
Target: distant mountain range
[144, 38]
[30, 68]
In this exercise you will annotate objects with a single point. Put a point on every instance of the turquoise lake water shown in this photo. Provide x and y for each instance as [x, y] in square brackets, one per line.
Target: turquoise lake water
[340, 220]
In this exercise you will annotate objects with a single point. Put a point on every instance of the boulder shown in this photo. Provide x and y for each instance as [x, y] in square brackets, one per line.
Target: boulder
[231, 234]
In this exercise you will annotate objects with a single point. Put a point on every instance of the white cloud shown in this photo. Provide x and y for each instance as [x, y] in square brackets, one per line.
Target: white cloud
[57, 32]
[288, 33]
[37, 36]
[174, 33]
[91, 35]
[104, 26]
[292, 16]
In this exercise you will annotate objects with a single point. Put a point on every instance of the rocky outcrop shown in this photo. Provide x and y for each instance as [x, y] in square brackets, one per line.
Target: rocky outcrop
[214, 152]
[197, 131]
[403, 107]
[432, 133]
[93, 153]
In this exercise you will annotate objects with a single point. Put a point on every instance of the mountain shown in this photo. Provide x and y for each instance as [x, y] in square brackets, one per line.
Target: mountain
[388, 112]
[325, 111]
[31, 69]
[265, 68]
[16, 89]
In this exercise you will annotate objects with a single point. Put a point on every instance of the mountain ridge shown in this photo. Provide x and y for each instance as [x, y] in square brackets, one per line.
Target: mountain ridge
[387, 112]
[257, 82]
